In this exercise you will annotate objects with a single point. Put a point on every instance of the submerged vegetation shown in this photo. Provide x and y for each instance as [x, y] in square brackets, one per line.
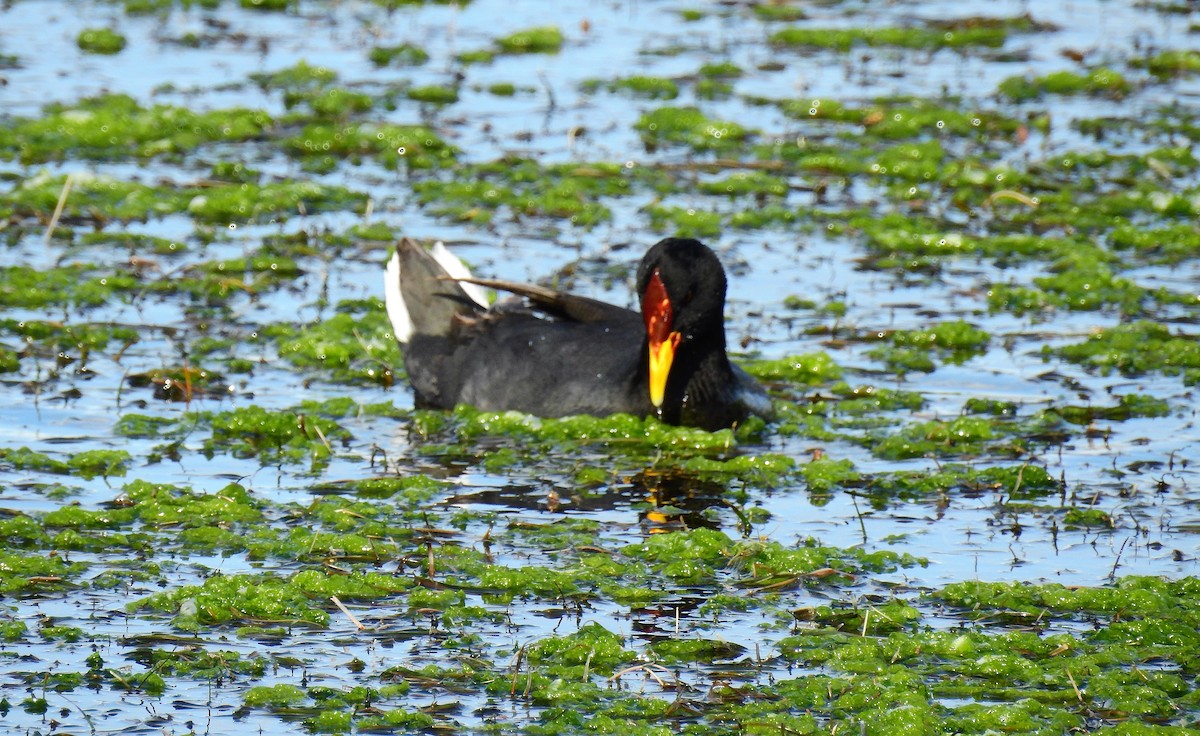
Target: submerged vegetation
[970, 294]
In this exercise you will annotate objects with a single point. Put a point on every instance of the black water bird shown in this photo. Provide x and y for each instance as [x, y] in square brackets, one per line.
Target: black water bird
[556, 354]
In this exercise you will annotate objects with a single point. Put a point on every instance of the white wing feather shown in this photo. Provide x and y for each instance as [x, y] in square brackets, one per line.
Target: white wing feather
[397, 310]
[457, 270]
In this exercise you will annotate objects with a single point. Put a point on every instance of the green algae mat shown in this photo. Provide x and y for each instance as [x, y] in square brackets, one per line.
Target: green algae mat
[964, 257]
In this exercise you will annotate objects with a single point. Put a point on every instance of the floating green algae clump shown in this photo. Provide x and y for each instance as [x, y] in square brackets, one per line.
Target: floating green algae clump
[173, 506]
[106, 463]
[24, 572]
[1128, 406]
[330, 103]
[689, 222]
[690, 127]
[201, 664]
[1132, 596]
[86, 464]
[593, 646]
[11, 631]
[22, 458]
[10, 360]
[1101, 81]
[888, 118]
[114, 125]
[413, 146]
[824, 474]
[652, 88]
[767, 470]
[23, 286]
[69, 634]
[696, 556]
[269, 435]
[625, 431]
[525, 187]
[717, 70]
[1079, 285]
[955, 341]
[844, 39]
[476, 56]
[540, 40]
[696, 650]
[398, 720]
[502, 89]
[1173, 63]
[353, 346]
[301, 76]
[402, 55]
[744, 183]
[1011, 680]
[102, 198]
[1087, 518]
[769, 12]
[265, 598]
[434, 94]
[91, 194]
[267, 5]
[274, 696]
[1136, 348]
[811, 369]
[1017, 481]
[258, 203]
[100, 41]
[1169, 244]
[962, 436]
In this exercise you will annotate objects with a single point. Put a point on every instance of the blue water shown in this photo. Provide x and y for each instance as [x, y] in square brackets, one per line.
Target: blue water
[1134, 470]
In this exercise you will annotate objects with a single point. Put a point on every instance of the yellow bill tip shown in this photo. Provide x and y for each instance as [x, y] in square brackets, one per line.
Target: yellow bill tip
[661, 357]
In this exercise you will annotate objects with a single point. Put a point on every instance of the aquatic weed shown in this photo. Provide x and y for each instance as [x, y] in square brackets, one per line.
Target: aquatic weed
[100, 41]
[404, 54]
[109, 126]
[1099, 81]
[1134, 349]
[538, 40]
[917, 38]
[690, 127]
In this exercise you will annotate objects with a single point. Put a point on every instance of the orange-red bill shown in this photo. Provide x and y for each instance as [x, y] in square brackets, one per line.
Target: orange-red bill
[656, 311]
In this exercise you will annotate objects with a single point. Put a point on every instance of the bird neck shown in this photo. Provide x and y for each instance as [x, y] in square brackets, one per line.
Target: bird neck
[700, 377]
[703, 371]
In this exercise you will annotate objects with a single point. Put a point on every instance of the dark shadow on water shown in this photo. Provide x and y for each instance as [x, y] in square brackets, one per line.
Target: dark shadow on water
[664, 501]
